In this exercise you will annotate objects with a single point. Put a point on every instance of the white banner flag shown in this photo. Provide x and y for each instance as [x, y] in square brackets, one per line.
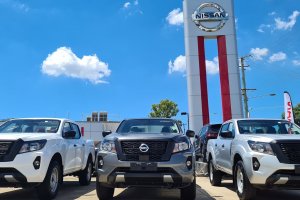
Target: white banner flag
[288, 107]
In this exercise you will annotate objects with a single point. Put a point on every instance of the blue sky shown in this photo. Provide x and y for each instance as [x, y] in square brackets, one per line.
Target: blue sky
[69, 58]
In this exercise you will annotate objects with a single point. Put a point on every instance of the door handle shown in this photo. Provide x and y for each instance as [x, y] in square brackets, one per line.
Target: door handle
[223, 146]
[75, 145]
[83, 145]
[216, 145]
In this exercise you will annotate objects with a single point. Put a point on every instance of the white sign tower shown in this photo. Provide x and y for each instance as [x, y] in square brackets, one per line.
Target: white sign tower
[211, 20]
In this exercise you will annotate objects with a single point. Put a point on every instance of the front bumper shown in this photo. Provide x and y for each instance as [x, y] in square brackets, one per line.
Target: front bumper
[271, 172]
[21, 171]
[170, 174]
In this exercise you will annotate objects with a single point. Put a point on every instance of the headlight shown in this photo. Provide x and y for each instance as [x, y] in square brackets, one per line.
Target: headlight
[108, 146]
[261, 147]
[181, 146]
[32, 146]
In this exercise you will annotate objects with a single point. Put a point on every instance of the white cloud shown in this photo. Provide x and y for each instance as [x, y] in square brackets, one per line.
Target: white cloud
[296, 62]
[126, 5]
[179, 65]
[63, 62]
[136, 2]
[175, 17]
[16, 5]
[287, 25]
[272, 13]
[276, 57]
[263, 27]
[259, 53]
[212, 67]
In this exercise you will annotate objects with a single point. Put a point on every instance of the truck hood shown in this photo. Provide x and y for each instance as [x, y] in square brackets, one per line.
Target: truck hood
[27, 136]
[269, 137]
[144, 136]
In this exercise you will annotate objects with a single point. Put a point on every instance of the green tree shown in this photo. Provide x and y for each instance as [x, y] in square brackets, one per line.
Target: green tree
[296, 110]
[165, 109]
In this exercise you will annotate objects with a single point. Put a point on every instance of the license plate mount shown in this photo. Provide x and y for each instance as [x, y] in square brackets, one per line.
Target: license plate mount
[144, 166]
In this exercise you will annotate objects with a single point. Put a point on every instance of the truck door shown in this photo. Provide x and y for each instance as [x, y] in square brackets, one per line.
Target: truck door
[79, 147]
[225, 151]
[218, 146]
[69, 165]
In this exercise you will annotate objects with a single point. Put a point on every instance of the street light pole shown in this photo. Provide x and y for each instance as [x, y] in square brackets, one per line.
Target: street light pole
[244, 90]
[188, 119]
[244, 87]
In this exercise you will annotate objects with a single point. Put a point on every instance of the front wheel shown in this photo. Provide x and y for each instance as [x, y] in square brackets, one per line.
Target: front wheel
[244, 188]
[189, 193]
[86, 175]
[215, 176]
[103, 192]
[49, 188]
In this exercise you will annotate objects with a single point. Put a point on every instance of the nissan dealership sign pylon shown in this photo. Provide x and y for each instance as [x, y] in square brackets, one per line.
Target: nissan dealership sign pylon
[211, 20]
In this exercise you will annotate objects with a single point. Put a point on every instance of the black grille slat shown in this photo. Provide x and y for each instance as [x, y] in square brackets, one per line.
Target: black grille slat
[291, 151]
[156, 151]
[5, 147]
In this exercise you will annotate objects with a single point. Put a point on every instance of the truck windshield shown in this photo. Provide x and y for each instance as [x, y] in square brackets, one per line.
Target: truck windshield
[148, 126]
[30, 126]
[267, 127]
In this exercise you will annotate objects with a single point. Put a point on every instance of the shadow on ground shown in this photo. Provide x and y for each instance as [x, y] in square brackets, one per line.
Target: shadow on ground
[158, 194]
[69, 190]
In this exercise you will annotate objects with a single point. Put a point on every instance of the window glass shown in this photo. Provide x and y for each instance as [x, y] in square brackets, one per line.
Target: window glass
[67, 127]
[76, 129]
[148, 126]
[224, 128]
[267, 127]
[30, 126]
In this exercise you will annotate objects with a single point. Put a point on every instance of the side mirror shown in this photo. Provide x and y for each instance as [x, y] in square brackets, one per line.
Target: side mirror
[226, 134]
[190, 133]
[106, 133]
[197, 136]
[70, 134]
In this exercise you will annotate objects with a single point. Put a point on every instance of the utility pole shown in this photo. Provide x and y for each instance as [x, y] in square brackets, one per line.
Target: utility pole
[244, 87]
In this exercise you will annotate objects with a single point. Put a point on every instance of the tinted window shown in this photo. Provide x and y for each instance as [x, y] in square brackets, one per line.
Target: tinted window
[76, 129]
[204, 130]
[215, 128]
[148, 126]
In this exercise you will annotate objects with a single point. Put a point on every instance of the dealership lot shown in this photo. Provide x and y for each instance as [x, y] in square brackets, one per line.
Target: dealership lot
[72, 190]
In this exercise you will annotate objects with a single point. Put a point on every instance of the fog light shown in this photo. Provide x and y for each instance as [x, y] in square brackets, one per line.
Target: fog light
[256, 164]
[189, 163]
[37, 162]
[100, 162]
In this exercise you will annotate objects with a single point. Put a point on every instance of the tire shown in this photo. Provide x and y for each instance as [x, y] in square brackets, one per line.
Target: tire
[215, 176]
[86, 175]
[244, 188]
[50, 186]
[104, 193]
[189, 192]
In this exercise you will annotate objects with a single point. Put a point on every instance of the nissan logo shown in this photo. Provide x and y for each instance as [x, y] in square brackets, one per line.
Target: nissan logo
[210, 17]
[144, 148]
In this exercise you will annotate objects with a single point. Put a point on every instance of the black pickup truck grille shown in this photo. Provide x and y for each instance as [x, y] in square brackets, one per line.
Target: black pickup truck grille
[131, 150]
[291, 150]
[5, 147]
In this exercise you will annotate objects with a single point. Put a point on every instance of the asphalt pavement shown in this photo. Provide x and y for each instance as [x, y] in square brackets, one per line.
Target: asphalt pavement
[72, 190]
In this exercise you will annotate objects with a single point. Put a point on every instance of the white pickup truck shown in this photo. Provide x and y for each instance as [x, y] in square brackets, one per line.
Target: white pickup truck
[258, 153]
[38, 152]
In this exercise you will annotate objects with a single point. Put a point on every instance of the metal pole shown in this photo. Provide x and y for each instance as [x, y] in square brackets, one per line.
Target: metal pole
[244, 88]
[188, 120]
